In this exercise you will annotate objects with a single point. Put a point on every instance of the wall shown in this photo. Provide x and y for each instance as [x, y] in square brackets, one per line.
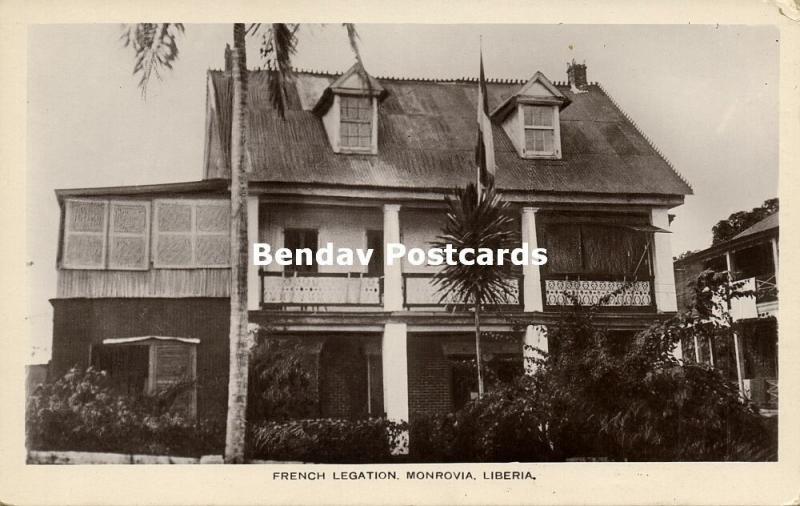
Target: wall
[80, 323]
[345, 228]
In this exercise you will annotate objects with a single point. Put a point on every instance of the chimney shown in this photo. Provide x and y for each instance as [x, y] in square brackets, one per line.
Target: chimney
[228, 59]
[576, 75]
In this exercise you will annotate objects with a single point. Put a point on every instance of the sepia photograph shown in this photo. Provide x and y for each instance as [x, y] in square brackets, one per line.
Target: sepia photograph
[403, 255]
[648, 334]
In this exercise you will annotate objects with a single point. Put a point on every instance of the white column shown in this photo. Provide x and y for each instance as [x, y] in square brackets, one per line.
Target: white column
[532, 281]
[535, 344]
[394, 358]
[662, 263]
[392, 274]
[737, 349]
[774, 243]
[253, 281]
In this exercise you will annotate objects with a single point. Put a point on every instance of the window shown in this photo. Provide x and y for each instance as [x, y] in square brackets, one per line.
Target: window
[191, 234]
[356, 123]
[540, 130]
[301, 238]
[103, 234]
[149, 365]
[605, 248]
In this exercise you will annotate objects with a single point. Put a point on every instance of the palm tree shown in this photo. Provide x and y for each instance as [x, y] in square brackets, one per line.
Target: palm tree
[477, 221]
[155, 49]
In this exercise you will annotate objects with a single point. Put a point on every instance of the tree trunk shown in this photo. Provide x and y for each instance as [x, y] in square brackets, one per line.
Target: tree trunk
[478, 354]
[238, 338]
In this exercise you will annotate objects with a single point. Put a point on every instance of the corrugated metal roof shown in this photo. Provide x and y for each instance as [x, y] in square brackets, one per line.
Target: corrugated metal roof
[767, 223]
[426, 139]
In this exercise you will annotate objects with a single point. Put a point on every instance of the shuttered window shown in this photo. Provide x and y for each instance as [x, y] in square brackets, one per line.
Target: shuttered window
[102, 234]
[128, 235]
[601, 248]
[191, 233]
[85, 228]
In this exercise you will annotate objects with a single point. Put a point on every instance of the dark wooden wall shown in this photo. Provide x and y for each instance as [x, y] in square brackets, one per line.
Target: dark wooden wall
[80, 323]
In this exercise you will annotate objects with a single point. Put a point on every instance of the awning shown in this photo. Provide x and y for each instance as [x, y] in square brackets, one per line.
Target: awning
[130, 340]
[647, 228]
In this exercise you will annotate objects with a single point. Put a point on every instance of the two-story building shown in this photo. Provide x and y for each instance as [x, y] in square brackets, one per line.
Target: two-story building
[143, 271]
[751, 260]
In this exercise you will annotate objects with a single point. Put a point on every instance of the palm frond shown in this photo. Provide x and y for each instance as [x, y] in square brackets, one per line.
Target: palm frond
[353, 38]
[279, 44]
[475, 224]
[155, 47]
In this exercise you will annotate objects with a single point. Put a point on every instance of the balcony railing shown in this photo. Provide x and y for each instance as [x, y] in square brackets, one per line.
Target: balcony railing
[567, 290]
[320, 289]
[419, 290]
[766, 288]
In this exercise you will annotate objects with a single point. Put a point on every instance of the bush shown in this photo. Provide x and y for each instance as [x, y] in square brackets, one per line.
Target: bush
[326, 440]
[507, 424]
[80, 412]
[281, 380]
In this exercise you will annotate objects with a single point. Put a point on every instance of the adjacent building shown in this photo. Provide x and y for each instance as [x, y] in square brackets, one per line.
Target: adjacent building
[751, 259]
[143, 271]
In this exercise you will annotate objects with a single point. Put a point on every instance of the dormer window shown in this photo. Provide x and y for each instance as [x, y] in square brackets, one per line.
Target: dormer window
[540, 131]
[531, 118]
[348, 108]
[356, 123]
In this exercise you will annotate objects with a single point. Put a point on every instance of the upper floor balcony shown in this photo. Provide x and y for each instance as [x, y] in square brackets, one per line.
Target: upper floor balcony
[607, 259]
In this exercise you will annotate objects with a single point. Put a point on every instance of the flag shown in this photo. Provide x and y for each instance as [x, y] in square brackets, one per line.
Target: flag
[484, 151]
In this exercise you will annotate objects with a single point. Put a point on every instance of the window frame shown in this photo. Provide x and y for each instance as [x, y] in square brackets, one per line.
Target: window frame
[64, 263]
[555, 129]
[372, 122]
[193, 233]
[145, 235]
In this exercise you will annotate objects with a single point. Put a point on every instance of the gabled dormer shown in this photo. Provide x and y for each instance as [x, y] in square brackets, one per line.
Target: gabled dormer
[531, 118]
[349, 112]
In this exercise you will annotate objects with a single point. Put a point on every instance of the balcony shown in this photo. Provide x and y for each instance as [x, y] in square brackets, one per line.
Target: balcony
[419, 290]
[566, 290]
[320, 289]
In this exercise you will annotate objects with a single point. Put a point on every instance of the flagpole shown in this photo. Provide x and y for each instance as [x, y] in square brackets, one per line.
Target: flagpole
[478, 184]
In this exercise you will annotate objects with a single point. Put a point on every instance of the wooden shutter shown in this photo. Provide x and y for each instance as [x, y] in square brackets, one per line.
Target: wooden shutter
[128, 235]
[212, 233]
[85, 223]
[173, 234]
[173, 363]
[563, 243]
[192, 233]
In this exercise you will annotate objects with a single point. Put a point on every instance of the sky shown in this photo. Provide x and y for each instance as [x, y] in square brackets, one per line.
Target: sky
[707, 96]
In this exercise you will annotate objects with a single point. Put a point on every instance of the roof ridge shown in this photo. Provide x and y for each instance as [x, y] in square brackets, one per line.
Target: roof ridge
[644, 135]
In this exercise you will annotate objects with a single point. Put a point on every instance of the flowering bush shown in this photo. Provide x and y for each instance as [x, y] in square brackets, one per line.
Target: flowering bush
[80, 412]
[326, 440]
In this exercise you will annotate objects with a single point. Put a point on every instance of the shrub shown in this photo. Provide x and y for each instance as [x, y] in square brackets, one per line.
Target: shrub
[637, 402]
[281, 380]
[326, 440]
[80, 412]
[507, 424]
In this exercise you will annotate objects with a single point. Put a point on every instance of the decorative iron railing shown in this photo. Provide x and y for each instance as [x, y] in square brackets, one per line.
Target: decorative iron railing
[420, 290]
[567, 291]
[320, 289]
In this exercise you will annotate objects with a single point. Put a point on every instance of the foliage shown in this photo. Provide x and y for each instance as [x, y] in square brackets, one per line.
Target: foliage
[507, 424]
[602, 395]
[281, 380]
[473, 224]
[633, 400]
[80, 412]
[155, 47]
[326, 440]
[741, 220]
